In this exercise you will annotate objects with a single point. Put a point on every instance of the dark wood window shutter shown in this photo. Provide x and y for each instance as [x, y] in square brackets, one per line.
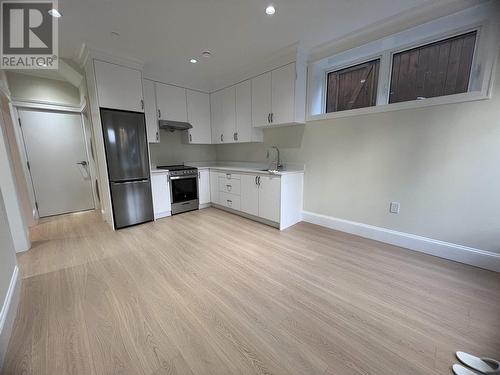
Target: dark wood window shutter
[436, 69]
[353, 87]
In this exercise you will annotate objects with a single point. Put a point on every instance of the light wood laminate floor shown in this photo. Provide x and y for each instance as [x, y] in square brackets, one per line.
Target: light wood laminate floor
[208, 292]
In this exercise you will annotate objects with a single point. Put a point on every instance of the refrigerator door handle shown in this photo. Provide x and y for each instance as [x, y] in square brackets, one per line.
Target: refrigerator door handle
[128, 182]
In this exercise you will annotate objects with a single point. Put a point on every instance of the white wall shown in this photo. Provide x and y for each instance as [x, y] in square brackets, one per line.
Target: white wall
[7, 253]
[39, 89]
[172, 150]
[8, 302]
[441, 163]
[18, 227]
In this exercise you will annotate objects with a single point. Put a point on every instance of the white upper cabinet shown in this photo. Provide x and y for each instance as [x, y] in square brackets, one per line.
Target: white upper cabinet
[216, 116]
[171, 102]
[118, 87]
[231, 111]
[244, 129]
[283, 95]
[279, 97]
[261, 100]
[269, 197]
[151, 112]
[228, 114]
[198, 110]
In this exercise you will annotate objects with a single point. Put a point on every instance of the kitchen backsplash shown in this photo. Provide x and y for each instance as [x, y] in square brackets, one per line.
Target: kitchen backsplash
[172, 150]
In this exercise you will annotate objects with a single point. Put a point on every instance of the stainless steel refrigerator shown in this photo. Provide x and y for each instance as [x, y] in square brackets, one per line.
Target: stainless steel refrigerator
[128, 166]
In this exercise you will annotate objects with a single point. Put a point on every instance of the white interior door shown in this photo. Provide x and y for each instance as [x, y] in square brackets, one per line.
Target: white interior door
[59, 165]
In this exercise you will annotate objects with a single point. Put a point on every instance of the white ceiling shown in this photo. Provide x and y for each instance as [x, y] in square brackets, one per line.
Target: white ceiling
[165, 34]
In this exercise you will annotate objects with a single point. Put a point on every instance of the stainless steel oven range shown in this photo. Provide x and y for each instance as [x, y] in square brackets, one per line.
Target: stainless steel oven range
[183, 187]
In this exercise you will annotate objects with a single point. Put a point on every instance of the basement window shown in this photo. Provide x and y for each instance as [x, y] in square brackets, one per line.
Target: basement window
[352, 87]
[436, 69]
[447, 60]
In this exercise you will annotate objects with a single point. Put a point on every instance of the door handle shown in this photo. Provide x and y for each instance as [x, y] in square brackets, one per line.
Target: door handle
[83, 163]
[142, 104]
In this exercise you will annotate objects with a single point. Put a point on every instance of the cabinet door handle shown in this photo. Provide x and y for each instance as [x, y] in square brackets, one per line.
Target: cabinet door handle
[256, 180]
[222, 137]
[190, 138]
[159, 113]
[268, 118]
[229, 187]
[142, 104]
[228, 176]
[235, 136]
[229, 202]
[272, 117]
[199, 175]
[259, 180]
[157, 136]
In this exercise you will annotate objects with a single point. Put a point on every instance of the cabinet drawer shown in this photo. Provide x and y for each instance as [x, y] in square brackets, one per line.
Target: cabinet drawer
[230, 201]
[229, 185]
[230, 176]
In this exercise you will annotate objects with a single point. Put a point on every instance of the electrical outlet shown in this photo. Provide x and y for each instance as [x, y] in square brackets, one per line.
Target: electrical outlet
[394, 208]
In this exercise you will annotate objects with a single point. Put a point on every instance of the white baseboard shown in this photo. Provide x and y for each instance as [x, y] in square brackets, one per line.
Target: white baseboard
[459, 253]
[8, 312]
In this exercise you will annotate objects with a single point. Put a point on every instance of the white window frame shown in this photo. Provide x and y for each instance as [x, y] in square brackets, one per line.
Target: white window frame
[351, 64]
[474, 65]
[478, 19]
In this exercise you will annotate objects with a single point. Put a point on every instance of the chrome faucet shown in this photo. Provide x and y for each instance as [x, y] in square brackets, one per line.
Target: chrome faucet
[277, 162]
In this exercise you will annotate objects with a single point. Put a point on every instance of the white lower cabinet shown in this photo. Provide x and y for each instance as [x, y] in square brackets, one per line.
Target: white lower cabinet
[204, 186]
[250, 194]
[269, 197]
[214, 186]
[230, 200]
[161, 195]
[275, 199]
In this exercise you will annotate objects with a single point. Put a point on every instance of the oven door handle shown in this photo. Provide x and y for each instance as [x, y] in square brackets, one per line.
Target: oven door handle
[182, 177]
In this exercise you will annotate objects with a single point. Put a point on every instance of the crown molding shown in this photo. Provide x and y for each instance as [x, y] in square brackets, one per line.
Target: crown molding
[415, 16]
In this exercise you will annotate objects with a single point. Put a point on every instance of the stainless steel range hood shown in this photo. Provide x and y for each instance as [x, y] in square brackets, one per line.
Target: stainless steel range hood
[174, 125]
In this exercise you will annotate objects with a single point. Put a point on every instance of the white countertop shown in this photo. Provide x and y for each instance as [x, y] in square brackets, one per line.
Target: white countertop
[159, 171]
[240, 167]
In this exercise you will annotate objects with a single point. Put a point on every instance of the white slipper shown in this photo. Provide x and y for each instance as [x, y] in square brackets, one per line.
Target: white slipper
[461, 370]
[483, 365]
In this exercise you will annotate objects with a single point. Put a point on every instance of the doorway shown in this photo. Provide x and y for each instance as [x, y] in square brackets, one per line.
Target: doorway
[58, 161]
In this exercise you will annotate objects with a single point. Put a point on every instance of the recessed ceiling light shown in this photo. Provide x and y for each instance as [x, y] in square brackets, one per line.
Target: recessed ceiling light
[193, 61]
[206, 53]
[270, 10]
[55, 13]
[115, 33]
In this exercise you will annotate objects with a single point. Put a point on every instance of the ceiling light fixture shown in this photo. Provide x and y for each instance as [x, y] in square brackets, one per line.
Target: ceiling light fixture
[270, 10]
[193, 61]
[55, 13]
[206, 53]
